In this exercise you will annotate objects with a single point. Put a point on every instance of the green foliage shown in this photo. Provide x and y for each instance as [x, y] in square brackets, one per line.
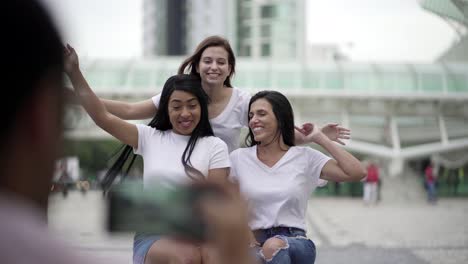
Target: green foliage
[95, 155]
[348, 189]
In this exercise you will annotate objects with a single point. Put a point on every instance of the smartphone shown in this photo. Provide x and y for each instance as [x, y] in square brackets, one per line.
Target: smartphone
[169, 211]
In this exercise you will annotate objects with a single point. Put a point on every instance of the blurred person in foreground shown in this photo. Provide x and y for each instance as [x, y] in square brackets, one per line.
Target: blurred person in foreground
[31, 132]
[32, 140]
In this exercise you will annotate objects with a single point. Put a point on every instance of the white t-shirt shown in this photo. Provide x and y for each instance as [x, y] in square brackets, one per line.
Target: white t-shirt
[162, 155]
[277, 196]
[228, 124]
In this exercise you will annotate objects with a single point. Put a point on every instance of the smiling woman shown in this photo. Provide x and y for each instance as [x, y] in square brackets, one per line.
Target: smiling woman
[182, 117]
[177, 147]
[277, 178]
[267, 123]
[214, 66]
[213, 61]
[184, 112]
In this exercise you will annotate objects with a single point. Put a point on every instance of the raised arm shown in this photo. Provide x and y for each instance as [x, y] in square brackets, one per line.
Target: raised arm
[343, 166]
[126, 132]
[131, 111]
[124, 110]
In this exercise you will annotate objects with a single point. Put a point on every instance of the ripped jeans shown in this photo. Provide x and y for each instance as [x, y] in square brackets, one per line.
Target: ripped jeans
[298, 250]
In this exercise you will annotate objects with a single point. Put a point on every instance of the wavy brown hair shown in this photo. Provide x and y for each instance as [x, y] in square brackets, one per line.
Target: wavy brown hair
[189, 66]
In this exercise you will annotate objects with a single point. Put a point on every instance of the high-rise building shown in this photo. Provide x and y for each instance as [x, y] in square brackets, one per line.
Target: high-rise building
[255, 28]
[210, 17]
[271, 28]
[164, 27]
[175, 27]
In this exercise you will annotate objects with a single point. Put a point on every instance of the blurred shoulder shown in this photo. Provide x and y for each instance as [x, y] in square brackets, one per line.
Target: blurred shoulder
[241, 93]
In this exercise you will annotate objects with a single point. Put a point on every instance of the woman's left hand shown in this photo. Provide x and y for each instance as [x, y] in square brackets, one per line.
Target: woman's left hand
[336, 132]
[71, 61]
[333, 131]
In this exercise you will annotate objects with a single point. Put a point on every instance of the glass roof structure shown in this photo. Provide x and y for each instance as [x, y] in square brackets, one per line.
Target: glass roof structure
[148, 76]
[396, 111]
[453, 9]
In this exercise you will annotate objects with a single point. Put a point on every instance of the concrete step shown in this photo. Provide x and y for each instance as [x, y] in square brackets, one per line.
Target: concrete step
[403, 188]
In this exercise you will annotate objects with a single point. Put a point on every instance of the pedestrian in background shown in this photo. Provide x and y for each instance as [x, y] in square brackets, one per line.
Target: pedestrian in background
[430, 183]
[371, 184]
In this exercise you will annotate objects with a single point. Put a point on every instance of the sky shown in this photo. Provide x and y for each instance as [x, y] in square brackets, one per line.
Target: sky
[366, 30]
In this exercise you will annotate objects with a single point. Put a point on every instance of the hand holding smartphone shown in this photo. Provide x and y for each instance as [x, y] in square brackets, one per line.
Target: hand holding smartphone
[170, 211]
[212, 213]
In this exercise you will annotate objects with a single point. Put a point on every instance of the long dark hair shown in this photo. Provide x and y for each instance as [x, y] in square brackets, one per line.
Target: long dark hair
[190, 64]
[182, 82]
[283, 113]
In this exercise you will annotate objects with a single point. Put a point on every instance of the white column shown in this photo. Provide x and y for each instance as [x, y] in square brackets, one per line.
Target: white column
[345, 115]
[395, 136]
[395, 167]
[443, 130]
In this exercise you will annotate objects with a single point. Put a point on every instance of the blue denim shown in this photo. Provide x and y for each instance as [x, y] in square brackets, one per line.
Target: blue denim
[141, 245]
[431, 192]
[299, 249]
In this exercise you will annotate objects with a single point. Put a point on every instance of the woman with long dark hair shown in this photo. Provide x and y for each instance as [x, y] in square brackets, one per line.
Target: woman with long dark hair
[177, 147]
[276, 178]
[214, 62]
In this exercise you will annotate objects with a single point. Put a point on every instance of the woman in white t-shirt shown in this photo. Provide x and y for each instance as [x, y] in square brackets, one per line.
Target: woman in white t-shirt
[214, 62]
[177, 146]
[276, 178]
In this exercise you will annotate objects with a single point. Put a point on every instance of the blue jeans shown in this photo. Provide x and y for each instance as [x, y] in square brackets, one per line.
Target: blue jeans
[431, 192]
[299, 249]
[141, 245]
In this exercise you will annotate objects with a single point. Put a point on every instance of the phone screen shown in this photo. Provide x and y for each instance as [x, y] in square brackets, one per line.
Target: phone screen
[156, 210]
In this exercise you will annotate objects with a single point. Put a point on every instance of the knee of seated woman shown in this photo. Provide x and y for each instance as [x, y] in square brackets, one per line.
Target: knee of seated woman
[169, 252]
[272, 246]
[191, 258]
[209, 255]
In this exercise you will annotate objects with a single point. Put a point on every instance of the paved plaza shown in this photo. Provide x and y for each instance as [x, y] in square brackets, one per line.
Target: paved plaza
[344, 230]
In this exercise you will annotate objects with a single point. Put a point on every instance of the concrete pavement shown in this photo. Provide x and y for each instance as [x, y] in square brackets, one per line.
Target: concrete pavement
[344, 230]
[347, 231]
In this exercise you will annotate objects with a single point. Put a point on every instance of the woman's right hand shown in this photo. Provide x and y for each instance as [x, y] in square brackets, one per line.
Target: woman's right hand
[71, 62]
[227, 219]
[316, 135]
[253, 240]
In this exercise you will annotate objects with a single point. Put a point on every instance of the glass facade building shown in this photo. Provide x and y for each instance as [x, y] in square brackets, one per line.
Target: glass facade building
[175, 27]
[271, 28]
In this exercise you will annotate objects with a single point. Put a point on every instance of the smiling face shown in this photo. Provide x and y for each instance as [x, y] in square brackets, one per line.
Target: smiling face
[184, 112]
[262, 121]
[214, 67]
